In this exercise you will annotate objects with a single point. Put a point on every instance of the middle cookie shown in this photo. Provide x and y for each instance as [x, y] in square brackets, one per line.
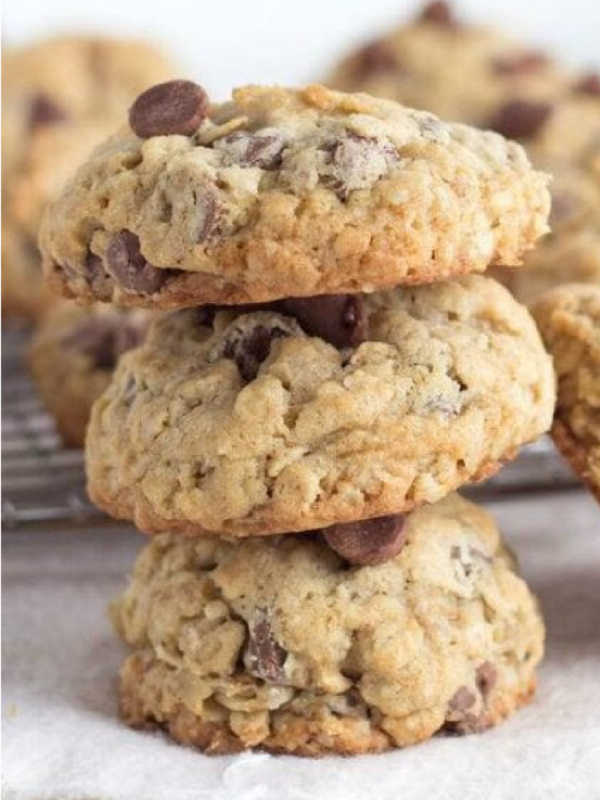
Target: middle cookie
[253, 422]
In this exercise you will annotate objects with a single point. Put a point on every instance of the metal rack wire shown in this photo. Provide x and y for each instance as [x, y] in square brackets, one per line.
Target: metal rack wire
[43, 484]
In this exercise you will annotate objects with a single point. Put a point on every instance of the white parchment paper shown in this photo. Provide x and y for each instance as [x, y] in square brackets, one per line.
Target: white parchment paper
[62, 739]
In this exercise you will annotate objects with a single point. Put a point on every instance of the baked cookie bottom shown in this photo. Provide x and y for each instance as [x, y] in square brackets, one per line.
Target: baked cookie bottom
[316, 726]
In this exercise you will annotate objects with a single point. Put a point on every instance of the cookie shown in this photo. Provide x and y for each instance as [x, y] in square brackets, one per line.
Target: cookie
[571, 252]
[72, 357]
[462, 72]
[277, 644]
[569, 319]
[286, 193]
[60, 97]
[251, 422]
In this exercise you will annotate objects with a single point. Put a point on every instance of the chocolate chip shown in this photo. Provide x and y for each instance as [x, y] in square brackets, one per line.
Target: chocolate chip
[175, 107]
[375, 58]
[438, 12]
[248, 341]
[253, 149]
[209, 211]
[129, 267]
[463, 700]
[340, 319]
[264, 657]
[368, 542]
[469, 723]
[520, 64]
[44, 111]
[356, 162]
[588, 84]
[520, 119]
[486, 677]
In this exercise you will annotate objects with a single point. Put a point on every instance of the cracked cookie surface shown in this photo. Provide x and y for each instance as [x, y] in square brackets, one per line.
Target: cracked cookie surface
[246, 425]
[569, 320]
[288, 193]
[277, 644]
[72, 356]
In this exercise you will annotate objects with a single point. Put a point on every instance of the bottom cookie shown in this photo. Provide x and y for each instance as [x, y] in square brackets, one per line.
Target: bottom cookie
[278, 643]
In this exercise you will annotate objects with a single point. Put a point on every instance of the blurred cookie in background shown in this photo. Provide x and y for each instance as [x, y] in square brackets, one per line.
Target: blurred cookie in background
[72, 357]
[59, 98]
[463, 72]
[476, 75]
[569, 320]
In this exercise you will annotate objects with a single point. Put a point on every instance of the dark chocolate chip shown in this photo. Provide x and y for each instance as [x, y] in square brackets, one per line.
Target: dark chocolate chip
[588, 84]
[340, 319]
[521, 64]
[438, 12]
[520, 119]
[44, 111]
[253, 149]
[486, 677]
[350, 160]
[368, 542]
[130, 269]
[374, 59]
[462, 701]
[209, 206]
[175, 107]
[248, 342]
[264, 657]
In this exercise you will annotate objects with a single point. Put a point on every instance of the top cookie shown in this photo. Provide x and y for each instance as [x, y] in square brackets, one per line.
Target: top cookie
[282, 193]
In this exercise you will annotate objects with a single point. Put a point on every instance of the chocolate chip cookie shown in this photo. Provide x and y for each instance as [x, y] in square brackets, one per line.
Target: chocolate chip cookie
[569, 319]
[286, 193]
[259, 421]
[462, 72]
[60, 97]
[72, 357]
[279, 644]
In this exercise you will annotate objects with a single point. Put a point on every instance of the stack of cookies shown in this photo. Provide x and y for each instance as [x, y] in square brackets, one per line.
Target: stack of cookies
[331, 370]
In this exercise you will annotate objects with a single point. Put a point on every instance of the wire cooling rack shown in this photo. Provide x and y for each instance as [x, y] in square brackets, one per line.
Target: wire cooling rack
[43, 484]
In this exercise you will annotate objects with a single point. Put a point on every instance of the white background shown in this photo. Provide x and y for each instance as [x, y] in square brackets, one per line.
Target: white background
[231, 42]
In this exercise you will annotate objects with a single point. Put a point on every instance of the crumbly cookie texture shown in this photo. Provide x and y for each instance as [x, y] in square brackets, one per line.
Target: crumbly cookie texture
[60, 98]
[569, 319]
[72, 356]
[462, 72]
[283, 193]
[251, 426]
[277, 644]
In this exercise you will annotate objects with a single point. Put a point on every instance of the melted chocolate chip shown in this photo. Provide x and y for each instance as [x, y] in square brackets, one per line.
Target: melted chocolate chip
[44, 111]
[486, 677]
[248, 341]
[253, 149]
[130, 269]
[368, 542]
[588, 84]
[520, 119]
[521, 64]
[438, 12]
[375, 58]
[264, 657]
[209, 211]
[340, 319]
[175, 107]
[462, 701]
